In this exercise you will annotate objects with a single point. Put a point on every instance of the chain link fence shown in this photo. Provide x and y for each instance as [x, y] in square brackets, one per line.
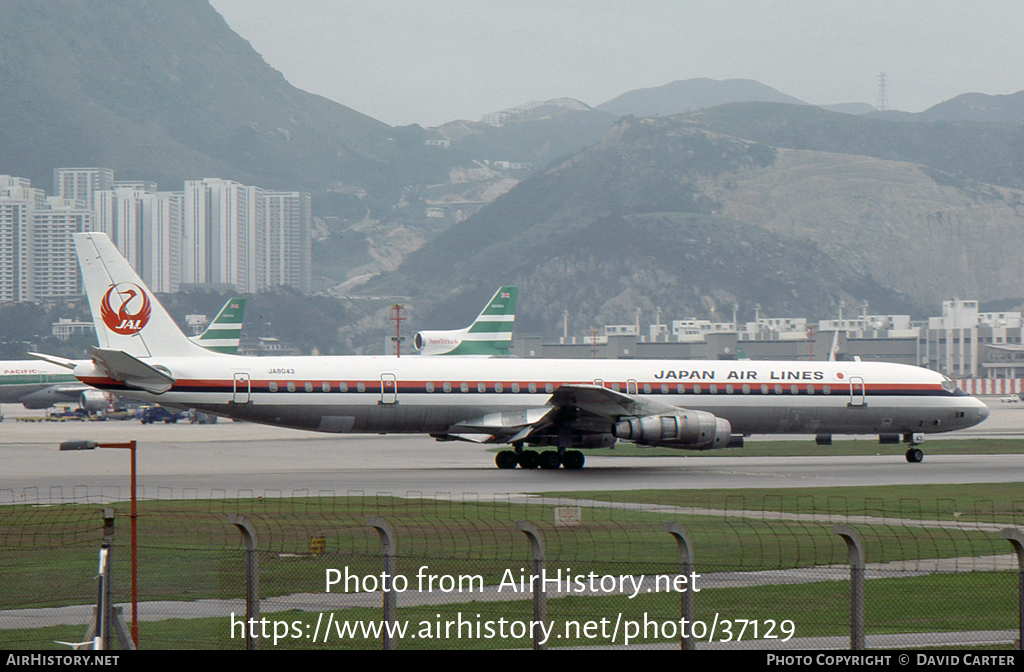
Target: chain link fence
[768, 573]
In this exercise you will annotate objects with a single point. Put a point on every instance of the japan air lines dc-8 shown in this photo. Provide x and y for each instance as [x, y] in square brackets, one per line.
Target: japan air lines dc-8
[565, 404]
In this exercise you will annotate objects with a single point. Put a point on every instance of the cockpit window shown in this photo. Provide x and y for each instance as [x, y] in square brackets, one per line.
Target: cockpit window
[949, 386]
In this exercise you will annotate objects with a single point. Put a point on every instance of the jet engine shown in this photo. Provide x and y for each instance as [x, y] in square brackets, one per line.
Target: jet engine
[438, 342]
[687, 429]
[93, 400]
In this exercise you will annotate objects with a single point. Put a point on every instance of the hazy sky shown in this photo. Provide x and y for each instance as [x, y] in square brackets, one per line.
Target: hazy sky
[432, 61]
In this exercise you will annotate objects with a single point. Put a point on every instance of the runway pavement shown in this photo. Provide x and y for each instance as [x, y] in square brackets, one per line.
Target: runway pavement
[235, 459]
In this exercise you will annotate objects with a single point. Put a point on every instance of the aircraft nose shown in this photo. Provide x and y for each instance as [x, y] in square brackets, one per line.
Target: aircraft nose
[982, 411]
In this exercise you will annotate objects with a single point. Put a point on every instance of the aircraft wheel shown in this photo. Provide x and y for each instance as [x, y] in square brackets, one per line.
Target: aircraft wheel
[529, 459]
[573, 459]
[915, 455]
[506, 459]
[550, 459]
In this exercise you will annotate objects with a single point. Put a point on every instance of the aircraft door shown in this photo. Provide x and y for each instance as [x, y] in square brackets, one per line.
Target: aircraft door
[388, 389]
[241, 387]
[857, 394]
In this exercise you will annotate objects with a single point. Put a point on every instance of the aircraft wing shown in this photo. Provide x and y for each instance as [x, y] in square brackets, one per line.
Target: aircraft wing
[605, 403]
[132, 371]
[603, 406]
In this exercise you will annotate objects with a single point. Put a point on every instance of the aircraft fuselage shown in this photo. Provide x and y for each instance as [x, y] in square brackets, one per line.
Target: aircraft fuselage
[429, 395]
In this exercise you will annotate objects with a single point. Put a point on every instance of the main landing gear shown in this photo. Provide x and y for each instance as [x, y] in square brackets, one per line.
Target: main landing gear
[531, 459]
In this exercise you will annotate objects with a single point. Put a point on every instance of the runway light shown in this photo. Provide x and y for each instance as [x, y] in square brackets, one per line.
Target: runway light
[78, 445]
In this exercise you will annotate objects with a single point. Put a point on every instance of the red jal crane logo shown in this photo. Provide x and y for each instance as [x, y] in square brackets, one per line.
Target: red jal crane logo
[133, 310]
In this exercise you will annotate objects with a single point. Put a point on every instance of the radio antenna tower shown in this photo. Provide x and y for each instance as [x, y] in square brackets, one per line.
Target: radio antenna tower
[883, 99]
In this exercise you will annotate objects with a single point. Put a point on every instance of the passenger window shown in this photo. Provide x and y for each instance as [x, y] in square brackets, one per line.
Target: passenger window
[532, 387]
[728, 389]
[746, 388]
[343, 387]
[515, 388]
[664, 389]
[647, 388]
[360, 387]
[447, 387]
[615, 387]
[272, 386]
[713, 389]
[326, 387]
[308, 387]
[696, 389]
[810, 389]
[794, 389]
[464, 387]
[430, 387]
[549, 388]
[291, 386]
[764, 389]
[481, 387]
[778, 389]
[498, 387]
[826, 389]
[680, 388]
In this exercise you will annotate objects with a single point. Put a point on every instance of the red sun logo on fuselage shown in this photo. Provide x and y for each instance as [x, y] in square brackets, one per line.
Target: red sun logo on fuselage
[132, 308]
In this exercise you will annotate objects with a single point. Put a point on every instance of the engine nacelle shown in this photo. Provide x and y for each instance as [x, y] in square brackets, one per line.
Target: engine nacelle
[93, 401]
[687, 429]
[437, 342]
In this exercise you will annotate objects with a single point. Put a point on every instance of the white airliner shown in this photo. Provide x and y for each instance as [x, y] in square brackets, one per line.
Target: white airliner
[46, 381]
[565, 404]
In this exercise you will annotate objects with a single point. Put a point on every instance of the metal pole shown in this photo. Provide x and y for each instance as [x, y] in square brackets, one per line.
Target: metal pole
[856, 555]
[686, 564]
[540, 592]
[106, 579]
[135, 554]
[389, 547]
[1016, 539]
[252, 579]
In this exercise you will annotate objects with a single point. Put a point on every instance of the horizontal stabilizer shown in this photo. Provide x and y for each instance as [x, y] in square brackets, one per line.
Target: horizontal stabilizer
[131, 371]
[59, 361]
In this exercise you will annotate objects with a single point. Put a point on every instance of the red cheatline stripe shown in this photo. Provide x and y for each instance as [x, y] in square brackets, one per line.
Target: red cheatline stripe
[375, 384]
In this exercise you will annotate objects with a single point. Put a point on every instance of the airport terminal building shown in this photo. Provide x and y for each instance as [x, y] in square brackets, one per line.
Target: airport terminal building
[962, 343]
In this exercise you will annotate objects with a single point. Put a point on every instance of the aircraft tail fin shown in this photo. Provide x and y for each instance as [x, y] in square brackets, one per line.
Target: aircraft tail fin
[225, 332]
[835, 347]
[127, 315]
[490, 334]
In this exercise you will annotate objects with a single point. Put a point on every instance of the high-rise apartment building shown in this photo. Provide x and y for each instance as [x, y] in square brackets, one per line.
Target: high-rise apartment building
[81, 183]
[286, 240]
[53, 264]
[15, 217]
[221, 227]
[146, 228]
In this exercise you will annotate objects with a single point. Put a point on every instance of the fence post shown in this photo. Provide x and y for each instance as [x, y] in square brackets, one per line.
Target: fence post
[389, 547]
[540, 591]
[687, 567]
[252, 580]
[856, 554]
[1016, 539]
